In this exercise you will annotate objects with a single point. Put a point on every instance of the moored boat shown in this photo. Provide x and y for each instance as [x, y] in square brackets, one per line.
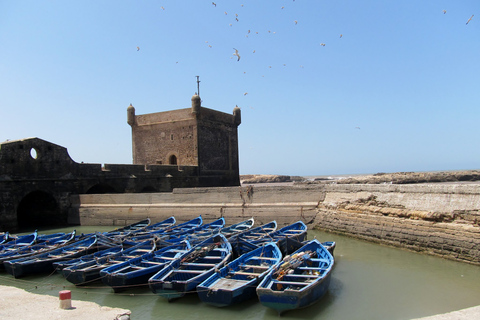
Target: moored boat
[288, 239]
[43, 262]
[237, 228]
[299, 281]
[44, 246]
[136, 272]
[19, 241]
[237, 281]
[89, 271]
[182, 276]
[135, 238]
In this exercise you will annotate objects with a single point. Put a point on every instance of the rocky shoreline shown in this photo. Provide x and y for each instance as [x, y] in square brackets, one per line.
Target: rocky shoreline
[377, 178]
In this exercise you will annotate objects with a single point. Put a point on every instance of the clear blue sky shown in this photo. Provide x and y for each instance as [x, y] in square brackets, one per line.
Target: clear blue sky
[395, 87]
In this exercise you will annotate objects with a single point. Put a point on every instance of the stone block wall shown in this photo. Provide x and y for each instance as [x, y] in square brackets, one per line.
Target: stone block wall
[442, 220]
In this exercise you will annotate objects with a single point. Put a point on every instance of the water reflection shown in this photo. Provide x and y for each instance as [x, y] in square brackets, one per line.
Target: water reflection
[369, 281]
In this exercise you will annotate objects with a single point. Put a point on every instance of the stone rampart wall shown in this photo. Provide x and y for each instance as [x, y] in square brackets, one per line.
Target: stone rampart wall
[440, 219]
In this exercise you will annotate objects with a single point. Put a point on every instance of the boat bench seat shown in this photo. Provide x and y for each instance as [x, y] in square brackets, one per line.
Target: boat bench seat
[245, 273]
[306, 276]
[199, 264]
[311, 268]
[319, 260]
[189, 271]
[254, 266]
[265, 258]
[153, 262]
[290, 283]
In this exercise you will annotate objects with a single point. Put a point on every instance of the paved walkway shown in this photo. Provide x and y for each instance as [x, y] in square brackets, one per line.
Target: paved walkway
[19, 304]
[464, 314]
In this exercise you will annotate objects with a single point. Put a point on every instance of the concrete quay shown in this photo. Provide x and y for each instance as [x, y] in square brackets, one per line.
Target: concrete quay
[19, 304]
[464, 314]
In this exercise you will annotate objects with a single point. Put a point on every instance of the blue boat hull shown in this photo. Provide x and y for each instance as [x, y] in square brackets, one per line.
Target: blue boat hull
[285, 300]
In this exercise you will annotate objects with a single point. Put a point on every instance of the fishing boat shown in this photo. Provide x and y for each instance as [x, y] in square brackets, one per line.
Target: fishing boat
[255, 233]
[237, 228]
[43, 246]
[183, 275]
[288, 239]
[60, 265]
[330, 246]
[237, 281]
[123, 231]
[135, 238]
[136, 272]
[5, 237]
[299, 281]
[43, 262]
[198, 234]
[19, 241]
[89, 271]
[156, 227]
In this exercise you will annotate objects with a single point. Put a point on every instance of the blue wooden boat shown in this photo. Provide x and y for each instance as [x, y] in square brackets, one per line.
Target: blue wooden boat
[198, 234]
[237, 281]
[237, 228]
[288, 239]
[20, 241]
[43, 262]
[89, 271]
[123, 231]
[60, 265]
[162, 234]
[299, 281]
[5, 237]
[182, 276]
[156, 227]
[41, 247]
[330, 246]
[136, 272]
[255, 233]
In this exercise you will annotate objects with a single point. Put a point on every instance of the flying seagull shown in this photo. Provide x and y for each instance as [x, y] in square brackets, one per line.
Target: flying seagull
[444, 11]
[213, 3]
[470, 19]
[138, 48]
[236, 54]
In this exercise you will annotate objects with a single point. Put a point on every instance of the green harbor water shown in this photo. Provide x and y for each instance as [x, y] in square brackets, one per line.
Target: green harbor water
[369, 281]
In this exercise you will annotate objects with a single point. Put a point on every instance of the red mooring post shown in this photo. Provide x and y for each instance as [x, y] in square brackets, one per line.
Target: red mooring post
[65, 299]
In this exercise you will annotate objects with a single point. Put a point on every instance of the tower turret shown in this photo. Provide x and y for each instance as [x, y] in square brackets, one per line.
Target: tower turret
[131, 115]
[237, 116]
[196, 103]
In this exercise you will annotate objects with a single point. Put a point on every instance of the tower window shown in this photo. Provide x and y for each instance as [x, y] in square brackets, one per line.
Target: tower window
[171, 137]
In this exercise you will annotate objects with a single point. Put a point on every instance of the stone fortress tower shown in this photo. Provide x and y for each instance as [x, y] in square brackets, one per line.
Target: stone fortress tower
[195, 136]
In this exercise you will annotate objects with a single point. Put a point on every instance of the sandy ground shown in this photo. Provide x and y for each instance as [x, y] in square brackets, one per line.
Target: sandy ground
[19, 304]
[464, 314]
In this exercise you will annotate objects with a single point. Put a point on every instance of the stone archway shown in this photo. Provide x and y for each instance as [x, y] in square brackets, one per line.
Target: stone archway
[39, 209]
[172, 160]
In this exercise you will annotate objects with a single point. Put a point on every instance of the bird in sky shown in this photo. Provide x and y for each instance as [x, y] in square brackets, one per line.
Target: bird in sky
[444, 11]
[322, 44]
[213, 3]
[245, 93]
[296, 21]
[138, 48]
[341, 35]
[470, 19]
[236, 54]
[357, 128]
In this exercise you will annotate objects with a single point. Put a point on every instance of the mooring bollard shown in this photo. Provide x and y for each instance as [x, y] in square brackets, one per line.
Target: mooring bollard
[65, 299]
